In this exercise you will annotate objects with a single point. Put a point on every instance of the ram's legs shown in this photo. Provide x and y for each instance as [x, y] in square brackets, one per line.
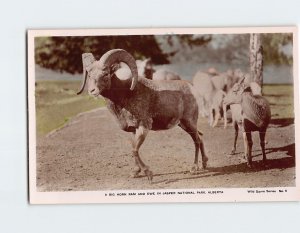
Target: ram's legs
[197, 138]
[137, 140]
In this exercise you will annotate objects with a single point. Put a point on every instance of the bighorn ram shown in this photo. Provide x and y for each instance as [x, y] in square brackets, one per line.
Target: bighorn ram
[252, 111]
[141, 104]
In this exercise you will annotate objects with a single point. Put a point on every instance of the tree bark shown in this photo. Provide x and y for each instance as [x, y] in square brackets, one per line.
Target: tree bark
[256, 58]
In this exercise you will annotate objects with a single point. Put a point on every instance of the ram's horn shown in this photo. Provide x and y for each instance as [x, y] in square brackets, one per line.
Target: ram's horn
[87, 59]
[120, 55]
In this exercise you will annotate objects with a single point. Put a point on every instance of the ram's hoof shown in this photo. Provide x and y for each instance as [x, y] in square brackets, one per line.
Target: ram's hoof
[232, 152]
[265, 164]
[195, 170]
[135, 173]
[204, 162]
[243, 159]
[149, 175]
[249, 163]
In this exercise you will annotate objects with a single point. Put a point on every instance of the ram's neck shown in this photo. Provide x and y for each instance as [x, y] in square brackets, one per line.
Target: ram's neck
[119, 90]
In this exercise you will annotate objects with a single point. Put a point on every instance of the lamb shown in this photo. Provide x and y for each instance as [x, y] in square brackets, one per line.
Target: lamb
[140, 105]
[251, 111]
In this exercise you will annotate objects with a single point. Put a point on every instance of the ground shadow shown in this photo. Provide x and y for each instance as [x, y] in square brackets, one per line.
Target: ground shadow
[289, 149]
[281, 163]
[282, 122]
[274, 95]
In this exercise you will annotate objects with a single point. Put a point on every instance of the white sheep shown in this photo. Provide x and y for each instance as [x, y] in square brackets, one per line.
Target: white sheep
[145, 69]
[162, 74]
[251, 111]
[209, 97]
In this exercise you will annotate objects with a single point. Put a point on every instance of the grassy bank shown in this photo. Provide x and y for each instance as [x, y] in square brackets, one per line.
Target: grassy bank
[57, 102]
[281, 98]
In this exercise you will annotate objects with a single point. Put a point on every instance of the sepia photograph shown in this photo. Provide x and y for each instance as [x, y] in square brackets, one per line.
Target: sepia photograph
[163, 115]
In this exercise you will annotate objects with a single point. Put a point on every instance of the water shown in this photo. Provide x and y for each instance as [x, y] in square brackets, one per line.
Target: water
[282, 74]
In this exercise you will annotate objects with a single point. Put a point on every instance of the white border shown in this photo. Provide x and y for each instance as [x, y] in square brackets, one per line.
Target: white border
[228, 195]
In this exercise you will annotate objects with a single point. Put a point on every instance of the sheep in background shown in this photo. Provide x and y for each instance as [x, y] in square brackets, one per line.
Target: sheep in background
[225, 81]
[145, 69]
[212, 71]
[141, 105]
[254, 114]
[162, 74]
[209, 97]
[211, 91]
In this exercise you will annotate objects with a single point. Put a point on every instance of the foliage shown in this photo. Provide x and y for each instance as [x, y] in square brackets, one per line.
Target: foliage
[64, 53]
[273, 44]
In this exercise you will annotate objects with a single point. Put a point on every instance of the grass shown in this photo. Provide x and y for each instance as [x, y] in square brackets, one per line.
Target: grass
[281, 98]
[57, 103]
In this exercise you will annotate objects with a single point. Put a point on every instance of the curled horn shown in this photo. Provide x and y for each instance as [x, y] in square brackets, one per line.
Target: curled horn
[120, 55]
[87, 59]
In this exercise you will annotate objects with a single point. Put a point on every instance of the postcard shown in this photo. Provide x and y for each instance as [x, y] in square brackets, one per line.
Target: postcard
[163, 115]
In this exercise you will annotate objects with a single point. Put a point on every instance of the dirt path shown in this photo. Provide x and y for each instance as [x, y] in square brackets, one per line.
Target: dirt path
[92, 153]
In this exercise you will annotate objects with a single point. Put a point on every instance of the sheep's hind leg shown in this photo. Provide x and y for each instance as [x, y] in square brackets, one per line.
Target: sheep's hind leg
[236, 134]
[262, 136]
[248, 147]
[137, 141]
[216, 119]
[197, 138]
[225, 115]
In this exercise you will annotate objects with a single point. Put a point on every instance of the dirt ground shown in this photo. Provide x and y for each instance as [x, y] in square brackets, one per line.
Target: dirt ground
[92, 153]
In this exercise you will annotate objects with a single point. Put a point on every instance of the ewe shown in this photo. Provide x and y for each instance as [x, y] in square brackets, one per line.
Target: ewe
[252, 112]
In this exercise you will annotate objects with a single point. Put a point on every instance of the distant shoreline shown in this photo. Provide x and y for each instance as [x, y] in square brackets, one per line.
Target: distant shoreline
[282, 74]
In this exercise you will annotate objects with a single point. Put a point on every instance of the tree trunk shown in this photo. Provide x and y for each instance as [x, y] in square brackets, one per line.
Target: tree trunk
[256, 58]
